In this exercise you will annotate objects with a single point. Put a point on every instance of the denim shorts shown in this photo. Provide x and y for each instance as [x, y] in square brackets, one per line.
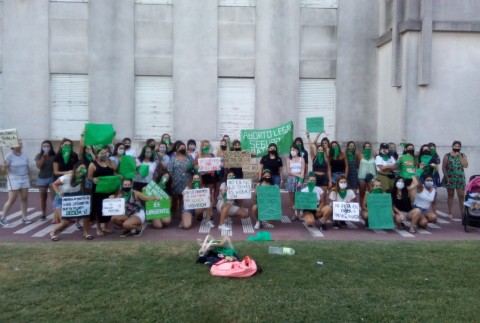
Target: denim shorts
[44, 181]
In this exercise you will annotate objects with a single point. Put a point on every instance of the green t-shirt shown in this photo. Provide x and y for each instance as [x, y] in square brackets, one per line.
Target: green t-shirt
[406, 166]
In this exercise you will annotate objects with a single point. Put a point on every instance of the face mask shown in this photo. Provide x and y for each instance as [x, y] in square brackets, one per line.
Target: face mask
[121, 151]
[182, 151]
[163, 181]
[428, 183]
[410, 151]
[148, 155]
[272, 151]
[266, 180]
[457, 150]
[126, 189]
[293, 153]
[377, 190]
[352, 150]
[46, 150]
[162, 150]
[223, 147]
[237, 149]
[192, 147]
[102, 157]
[320, 157]
[342, 186]
[367, 152]
[433, 151]
[392, 151]
[311, 186]
[196, 183]
[400, 185]
[231, 177]
[167, 141]
[205, 150]
[66, 150]
[336, 151]
[127, 146]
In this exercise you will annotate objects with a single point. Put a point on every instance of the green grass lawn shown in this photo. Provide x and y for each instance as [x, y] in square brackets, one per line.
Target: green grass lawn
[159, 281]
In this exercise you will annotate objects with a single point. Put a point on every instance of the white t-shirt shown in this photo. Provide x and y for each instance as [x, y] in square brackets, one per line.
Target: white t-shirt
[66, 184]
[151, 169]
[131, 152]
[223, 187]
[317, 190]
[424, 199]
[17, 164]
[334, 197]
[380, 162]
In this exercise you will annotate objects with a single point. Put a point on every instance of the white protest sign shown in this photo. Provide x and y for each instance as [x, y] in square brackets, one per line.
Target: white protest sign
[8, 138]
[113, 207]
[346, 211]
[238, 189]
[209, 164]
[75, 206]
[196, 199]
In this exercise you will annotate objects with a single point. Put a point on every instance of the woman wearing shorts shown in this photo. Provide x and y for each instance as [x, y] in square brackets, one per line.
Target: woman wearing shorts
[44, 163]
[422, 213]
[187, 215]
[226, 207]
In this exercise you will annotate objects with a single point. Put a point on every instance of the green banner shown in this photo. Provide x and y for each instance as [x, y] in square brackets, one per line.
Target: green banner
[380, 211]
[108, 184]
[157, 209]
[269, 203]
[258, 140]
[153, 189]
[315, 125]
[127, 167]
[306, 200]
[98, 134]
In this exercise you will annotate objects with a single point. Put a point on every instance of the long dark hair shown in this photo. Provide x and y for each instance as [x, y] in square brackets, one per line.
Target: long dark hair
[142, 157]
[73, 181]
[162, 170]
[296, 148]
[301, 143]
[51, 152]
[64, 140]
[395, 189]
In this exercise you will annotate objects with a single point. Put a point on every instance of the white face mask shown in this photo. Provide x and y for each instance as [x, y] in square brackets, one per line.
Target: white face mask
[293, 153]
[342, 186]
[121, 151]
[400, 185]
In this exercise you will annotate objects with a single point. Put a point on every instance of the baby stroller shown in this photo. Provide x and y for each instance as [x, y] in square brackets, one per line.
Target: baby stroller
[471, 216]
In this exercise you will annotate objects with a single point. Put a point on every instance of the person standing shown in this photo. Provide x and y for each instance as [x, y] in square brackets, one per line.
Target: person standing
[453, 166]
[273, 163]
[44, 163]
[16, 168]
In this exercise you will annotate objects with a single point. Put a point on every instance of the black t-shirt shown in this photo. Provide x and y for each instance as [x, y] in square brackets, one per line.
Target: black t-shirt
[403, 204]
[272, 164]
[62, 167]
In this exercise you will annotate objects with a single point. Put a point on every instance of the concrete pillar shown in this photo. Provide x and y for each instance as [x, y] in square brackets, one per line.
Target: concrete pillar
[111, 64]
[195, 69]
[397, 17]
[277, 62]
[425, 49]
[25, 68]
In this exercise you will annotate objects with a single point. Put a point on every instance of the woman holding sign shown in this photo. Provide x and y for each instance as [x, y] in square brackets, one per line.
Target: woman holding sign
[68, 184]
[310, 215]
[209, 179]
[339, 194]
[266, 180]
[375, 188]
[295, 172]
[226, 207]
[188, 214]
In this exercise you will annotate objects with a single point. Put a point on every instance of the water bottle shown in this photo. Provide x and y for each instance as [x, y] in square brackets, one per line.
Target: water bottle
[281, 250]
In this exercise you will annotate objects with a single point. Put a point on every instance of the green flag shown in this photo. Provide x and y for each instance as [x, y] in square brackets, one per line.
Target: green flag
[108, 184]
[143, 170]
[127, 167]
[98, 134]
[258, 140]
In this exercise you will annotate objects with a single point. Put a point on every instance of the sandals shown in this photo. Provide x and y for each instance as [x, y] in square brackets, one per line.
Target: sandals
[88, 236]
[413, 230]
[54, 238]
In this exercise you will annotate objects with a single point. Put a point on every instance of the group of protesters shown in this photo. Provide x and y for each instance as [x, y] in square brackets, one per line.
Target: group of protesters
[335, 175]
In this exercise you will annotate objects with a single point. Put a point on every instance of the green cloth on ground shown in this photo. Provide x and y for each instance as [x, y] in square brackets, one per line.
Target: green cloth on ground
[98, 134]
[261, 236]
[226, 251]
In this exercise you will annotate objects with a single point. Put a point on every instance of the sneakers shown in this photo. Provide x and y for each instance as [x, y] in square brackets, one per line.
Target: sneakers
[125, 233]
[43, 218]
[343, 223]
[323, 227]
[257, 225]
[267, 225]
[26, 221]
[78, 226]
[224, 227]
[336, 225]
[210, 224]
[4, 223]
[138, 233]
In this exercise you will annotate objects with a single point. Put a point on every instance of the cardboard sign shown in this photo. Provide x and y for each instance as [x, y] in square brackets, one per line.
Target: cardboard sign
[250, 171]
[346, 211]
[157, 209]
[113, 207]
[306, 200]
[315, 125]
[196, 199]
[237, 158]
[75, 206]
[258, 140]
[269, 203]
[209, 164]
[153, 189]
[8, 138]
[380, 214]
[238, 189]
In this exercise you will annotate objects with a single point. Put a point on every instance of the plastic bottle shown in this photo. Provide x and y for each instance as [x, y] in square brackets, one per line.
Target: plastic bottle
[281, 250]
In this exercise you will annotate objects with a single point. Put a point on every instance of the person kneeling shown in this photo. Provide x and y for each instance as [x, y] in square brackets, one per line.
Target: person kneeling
[226, 207]
[188, 214]
[309, 216]
[422, 212]
[133, 220]
[266, 180]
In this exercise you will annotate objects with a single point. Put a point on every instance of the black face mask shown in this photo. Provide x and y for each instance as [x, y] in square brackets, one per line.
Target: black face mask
[457, 150]
[152, 147]
[267, 180]
[126, 189]
[410, 151]
[127, 146]
[272, 152]
[237, 149]
[223, 147]
[182, 151]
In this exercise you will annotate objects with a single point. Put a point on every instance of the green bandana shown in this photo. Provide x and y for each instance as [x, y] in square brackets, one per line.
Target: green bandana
[299, 147]
[205, 150]
[196, 184]
[342, 194]
[433, 151]
[320, 158]
[127, 196]
[311, 186]
[351, 155]
[384, 157]
[377, 190]
[336, 152]
[367, 153]
[167, 141]
[89, 157]
[66, 150]
[426, 159]
[81, 172]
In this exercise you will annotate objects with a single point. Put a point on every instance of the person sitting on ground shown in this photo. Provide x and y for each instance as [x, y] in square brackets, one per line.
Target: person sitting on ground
[164, 180]
[375, 187]
[401, 203]
[339, 194]
[422, 213]
[227, 207]
[133, 220]
[265, 180]
[71, 183]
[188, 214]
[309, 216]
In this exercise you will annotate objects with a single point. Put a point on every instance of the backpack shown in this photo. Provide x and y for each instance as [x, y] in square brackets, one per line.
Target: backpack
[224, 268]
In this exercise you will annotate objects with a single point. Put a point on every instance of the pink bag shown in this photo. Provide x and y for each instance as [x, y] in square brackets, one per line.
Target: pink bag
[224, 268]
